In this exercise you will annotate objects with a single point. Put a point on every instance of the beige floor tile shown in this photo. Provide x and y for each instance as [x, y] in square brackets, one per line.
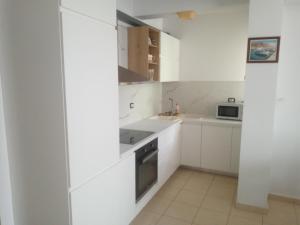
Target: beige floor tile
[217, 204]
[183, 173]
[283, 207]
[191, 198]
[168, 192]
[146, 218]
[246, 214]
[209, 217]
[182, 211]
[277, 218]
[236, 220]
[225, 181]
[220, 192]
[202, 176]
[177, 181]
[298, 213]
[165, 220]
[280, 213]
[197, 185]
[157, 205]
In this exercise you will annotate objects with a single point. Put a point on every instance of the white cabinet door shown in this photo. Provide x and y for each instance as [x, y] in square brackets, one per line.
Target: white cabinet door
[91, 89]
[175, 49]
[169, 152]
[123, 46]
[126, 190]
[108, 199]
[191, 145]
[216, 148]
[236, 147]
[104, 10]
[169, 58]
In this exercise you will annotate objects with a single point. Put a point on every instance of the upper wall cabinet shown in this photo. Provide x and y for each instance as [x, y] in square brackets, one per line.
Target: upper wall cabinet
[143, 52]
[169, 58]
[104, 10]
[91, 86]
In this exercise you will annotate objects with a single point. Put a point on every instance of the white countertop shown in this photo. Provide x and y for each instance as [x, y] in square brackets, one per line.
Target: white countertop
[157, 124]
[153, 125]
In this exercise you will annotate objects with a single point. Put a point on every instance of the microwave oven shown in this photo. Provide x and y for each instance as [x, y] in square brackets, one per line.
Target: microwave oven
[230, 111]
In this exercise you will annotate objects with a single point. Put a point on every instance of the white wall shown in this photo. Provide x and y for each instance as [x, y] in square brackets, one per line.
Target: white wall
[200, 97]
[6, 207]
[213, 46]
[147, 100]
[34, 112]
[260, 94]
[286, 148]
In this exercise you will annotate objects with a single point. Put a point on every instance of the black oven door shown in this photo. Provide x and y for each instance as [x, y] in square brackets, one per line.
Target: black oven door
[146, 169]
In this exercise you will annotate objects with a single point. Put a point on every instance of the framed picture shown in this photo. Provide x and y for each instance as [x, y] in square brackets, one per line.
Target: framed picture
[263, 50]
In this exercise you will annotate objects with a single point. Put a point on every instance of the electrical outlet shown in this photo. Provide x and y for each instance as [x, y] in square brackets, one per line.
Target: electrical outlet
[131, 105]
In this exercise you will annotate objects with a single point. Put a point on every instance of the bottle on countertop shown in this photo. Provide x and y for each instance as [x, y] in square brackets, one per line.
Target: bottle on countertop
[177, 109]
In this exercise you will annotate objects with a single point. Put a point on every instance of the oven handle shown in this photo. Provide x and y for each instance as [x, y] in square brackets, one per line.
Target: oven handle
[148, 157]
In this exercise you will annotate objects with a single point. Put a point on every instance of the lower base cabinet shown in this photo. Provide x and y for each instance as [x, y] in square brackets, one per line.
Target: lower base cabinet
[213, 147]
[107, 199]
[169, 152]
[216, 148]
[191, 145]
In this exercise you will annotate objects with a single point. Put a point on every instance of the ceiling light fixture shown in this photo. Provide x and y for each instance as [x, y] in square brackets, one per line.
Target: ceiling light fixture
[187, 15]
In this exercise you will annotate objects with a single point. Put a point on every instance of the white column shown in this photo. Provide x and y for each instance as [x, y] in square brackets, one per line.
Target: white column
[265, 19]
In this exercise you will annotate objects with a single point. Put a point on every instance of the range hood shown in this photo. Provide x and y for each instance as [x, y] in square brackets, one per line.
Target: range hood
[128, 76]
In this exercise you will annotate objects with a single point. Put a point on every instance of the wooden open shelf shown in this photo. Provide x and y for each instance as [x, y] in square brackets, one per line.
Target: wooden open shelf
[143, 41]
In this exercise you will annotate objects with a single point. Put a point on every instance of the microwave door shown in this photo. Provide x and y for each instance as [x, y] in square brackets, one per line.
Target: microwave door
[228, 111]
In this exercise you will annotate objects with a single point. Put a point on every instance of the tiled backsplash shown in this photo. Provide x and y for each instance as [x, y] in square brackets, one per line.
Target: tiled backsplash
[193, 97]
[200, 97]
[146, 99]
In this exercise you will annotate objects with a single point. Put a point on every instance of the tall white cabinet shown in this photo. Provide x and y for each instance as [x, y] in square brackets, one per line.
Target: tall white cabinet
[98, 179]
[90, 57]
[61, 95]
[169, 58]
[102, 10]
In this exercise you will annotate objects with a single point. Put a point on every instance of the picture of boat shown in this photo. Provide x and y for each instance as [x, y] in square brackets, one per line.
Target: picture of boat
[263, 50]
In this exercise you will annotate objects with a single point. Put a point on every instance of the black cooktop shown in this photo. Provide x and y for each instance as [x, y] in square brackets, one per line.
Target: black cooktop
[132, 137]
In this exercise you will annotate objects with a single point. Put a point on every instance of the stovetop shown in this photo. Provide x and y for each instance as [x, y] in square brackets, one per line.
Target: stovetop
[132, 137]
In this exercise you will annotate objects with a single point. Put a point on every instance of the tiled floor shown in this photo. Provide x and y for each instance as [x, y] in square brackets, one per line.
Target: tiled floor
[195, 198]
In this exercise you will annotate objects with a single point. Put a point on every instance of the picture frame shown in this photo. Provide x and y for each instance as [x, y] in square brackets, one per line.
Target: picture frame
[263, 50]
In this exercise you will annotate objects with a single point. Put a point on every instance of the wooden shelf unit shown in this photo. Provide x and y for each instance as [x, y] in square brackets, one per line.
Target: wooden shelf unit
[139, 47]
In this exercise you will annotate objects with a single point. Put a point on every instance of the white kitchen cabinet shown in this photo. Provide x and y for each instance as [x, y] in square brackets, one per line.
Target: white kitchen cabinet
[169, 58]
[216, 148]
[91, 90]
[191, 145]
[236, 146]
[104, 10]
[123, 46]
[169, 152]
[107, 199]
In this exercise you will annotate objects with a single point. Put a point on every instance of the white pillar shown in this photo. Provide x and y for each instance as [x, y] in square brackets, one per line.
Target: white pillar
[265, 19]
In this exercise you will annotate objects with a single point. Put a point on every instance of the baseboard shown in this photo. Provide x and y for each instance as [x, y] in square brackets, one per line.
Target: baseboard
[284, 198]
[252, 208]
[215, 172]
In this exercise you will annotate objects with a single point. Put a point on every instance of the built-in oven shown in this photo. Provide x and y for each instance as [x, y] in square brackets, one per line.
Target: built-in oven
[146, 168]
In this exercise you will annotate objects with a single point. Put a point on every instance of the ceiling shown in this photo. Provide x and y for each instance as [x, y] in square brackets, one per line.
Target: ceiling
[158, 8]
